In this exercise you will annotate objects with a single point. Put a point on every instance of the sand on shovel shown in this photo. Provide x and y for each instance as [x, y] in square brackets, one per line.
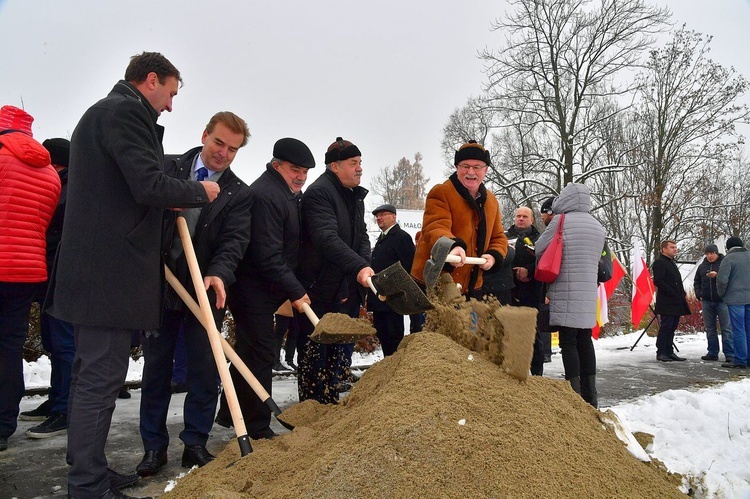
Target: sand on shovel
[436, 419]
[340, 328]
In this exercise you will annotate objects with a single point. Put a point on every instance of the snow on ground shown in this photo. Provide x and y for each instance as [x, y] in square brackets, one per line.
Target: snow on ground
[703, 433]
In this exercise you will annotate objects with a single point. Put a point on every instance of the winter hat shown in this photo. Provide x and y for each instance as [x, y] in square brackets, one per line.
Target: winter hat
[384, 207]
[734, 242]
[59, 151]
[472, 150]
[711, 248]
[547, 206]
[295, 151]
[13, 118]
[341, 150]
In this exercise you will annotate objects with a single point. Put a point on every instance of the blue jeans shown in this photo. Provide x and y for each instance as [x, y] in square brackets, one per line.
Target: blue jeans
[713, 310]
[740, 315]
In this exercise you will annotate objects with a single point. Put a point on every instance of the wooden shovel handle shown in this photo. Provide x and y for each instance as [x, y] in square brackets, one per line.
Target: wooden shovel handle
[214, 337]
[469, 260]
[310, 314]
[374, 289]
[225, 346]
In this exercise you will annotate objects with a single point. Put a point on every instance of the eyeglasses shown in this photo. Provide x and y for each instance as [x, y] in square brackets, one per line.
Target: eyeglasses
[466, 168]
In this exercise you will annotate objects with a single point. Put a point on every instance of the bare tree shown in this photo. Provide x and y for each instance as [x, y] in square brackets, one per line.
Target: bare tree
[402, 185]
[561, 58]
[687, 117]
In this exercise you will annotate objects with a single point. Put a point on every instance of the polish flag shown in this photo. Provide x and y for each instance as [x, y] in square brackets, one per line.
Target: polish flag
[643, 287]
[604, 293]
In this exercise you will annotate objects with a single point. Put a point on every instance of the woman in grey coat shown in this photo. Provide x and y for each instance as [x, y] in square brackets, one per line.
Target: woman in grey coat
[572, 295]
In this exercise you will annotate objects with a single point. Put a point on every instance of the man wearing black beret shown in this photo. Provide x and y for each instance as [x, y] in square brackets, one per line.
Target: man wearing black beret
[394, 245]
[266, 277]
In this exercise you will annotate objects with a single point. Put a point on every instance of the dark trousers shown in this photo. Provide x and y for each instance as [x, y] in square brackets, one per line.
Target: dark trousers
[15, 303]
[179, 371]
[390, 330]
[665, 337]
[320, 366]
[156, 388]
[578, 354]
[99, 369]
[58, 339]
[255, 345]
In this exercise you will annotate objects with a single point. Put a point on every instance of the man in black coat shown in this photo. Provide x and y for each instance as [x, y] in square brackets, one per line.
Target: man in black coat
[712, 306]
[266, 278]
[527, 291]
[671, 302]
[336, 262]
[393, 245]
[220, 233]
[109, 280]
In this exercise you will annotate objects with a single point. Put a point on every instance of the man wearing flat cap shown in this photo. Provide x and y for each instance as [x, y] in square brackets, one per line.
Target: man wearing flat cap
[220, 232]
[266, 277]
[393, 245]
[462, 209]
[335, 267]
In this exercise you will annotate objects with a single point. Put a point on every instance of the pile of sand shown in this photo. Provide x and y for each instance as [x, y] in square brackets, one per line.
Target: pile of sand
[436, 419]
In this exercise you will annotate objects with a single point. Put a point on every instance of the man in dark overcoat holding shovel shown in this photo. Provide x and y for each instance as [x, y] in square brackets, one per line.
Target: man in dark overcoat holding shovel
[108, 281]
[266, 278]
[220, 233]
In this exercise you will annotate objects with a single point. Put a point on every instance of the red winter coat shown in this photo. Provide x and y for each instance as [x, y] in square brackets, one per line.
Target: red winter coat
[29, 188]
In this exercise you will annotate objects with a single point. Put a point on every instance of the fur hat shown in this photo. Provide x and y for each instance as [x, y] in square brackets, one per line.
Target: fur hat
[59, 151]
[472, 150]
[734, 242]
[13, 118]
[341, 150]
[295, 151]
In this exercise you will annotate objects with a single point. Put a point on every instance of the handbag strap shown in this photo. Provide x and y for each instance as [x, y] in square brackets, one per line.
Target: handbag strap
[560, 224]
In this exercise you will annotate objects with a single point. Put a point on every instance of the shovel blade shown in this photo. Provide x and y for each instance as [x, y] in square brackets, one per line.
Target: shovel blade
[434, 265]
[401, 292]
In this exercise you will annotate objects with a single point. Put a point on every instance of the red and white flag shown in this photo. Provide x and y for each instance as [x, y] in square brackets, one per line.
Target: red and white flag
[643, 287]
[604, 293]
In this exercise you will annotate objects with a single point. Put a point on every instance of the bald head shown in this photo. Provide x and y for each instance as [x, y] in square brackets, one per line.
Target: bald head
[524, 218]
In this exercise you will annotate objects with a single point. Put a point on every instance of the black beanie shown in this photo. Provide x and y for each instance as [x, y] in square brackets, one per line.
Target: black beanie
[472, 150]
[734, 242]
[59, 151]
[341, 150]
[294, 151]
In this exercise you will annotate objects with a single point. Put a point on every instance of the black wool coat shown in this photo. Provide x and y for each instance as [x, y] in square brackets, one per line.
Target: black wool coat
[670, 293]
[267, 270]
[396, 246]
[335, 246]
[704, 286]
[529, 293]
[109, 268]
[222, 232]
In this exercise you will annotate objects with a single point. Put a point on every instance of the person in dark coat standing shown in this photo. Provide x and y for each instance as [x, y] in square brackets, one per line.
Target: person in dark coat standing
[335, 266]
[527, 291]
[220, 232]
[671, 301]
[712, 306]
[393, 245]
[266, 278]
[109, 279]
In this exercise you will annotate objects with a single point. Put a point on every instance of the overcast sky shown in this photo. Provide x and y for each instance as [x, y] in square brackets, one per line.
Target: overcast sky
[384, 74]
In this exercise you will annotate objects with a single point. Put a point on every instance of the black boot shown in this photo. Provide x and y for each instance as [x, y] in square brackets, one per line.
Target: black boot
[588, 390]
[575, 384]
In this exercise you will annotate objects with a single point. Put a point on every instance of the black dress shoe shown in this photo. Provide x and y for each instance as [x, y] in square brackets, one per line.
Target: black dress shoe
[196, 455]
[732, 365]
[152, 462]
[119, 481]
[674, 356]
[265, 433]
[664, 358]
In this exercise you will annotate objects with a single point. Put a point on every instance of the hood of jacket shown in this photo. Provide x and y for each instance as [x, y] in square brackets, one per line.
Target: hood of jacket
[574, 197]
[25, 148]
